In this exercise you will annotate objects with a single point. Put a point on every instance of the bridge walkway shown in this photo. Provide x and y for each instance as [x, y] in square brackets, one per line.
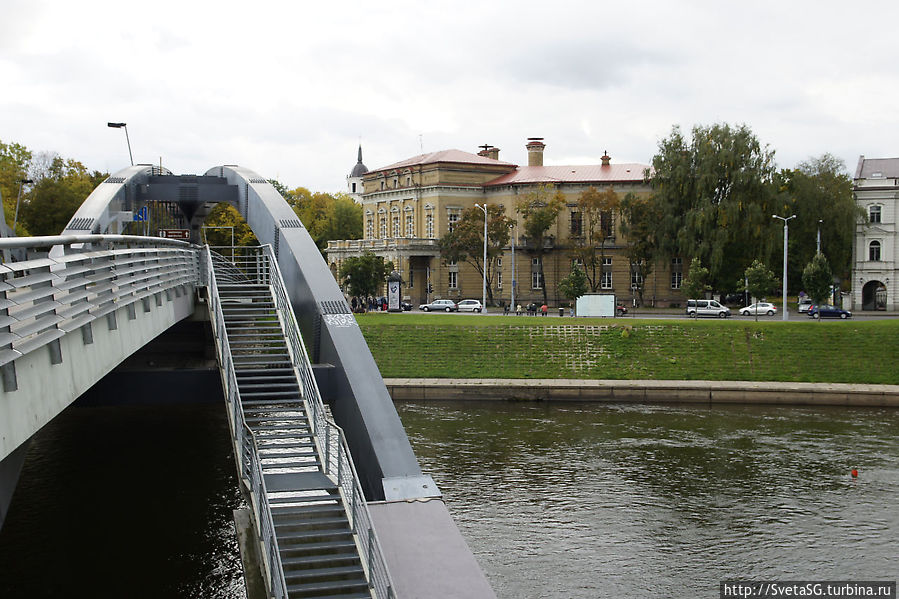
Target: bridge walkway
[316, 544]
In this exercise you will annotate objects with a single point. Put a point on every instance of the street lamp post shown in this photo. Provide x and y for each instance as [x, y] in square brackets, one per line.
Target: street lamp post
[15, 220]
[786, 220]
[819, 235]
[484, 269]
[512, 227]
[127, 139]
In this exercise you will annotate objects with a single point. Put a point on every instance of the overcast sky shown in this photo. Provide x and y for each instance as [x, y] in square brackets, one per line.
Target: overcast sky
[289, 89]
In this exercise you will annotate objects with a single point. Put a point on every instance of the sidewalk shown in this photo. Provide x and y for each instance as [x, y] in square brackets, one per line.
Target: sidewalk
[644, 391]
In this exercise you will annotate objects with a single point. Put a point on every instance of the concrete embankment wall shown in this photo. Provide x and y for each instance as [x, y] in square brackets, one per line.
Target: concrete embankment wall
[644, 391]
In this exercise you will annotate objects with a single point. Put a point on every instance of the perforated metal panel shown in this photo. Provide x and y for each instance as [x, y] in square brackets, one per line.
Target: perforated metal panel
[291, 223]
[81, 224]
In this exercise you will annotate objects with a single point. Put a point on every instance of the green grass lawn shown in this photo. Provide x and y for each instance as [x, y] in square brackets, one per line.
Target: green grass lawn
[462, 346]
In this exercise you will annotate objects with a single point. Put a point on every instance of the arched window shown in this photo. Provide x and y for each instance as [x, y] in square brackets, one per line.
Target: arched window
[874, 251]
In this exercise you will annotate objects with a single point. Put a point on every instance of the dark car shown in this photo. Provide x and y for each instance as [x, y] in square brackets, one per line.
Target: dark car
[828, 312]
[406, 306]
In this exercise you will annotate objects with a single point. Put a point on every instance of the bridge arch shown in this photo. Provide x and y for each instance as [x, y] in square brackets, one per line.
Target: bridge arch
[350, 379]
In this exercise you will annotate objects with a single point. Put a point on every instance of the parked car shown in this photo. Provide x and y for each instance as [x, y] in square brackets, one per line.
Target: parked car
[441, 304]
[759, 308]
[470, 305]
[620, 310]
[703, 307]
[828, 312]
[405, 306]
[804, 304]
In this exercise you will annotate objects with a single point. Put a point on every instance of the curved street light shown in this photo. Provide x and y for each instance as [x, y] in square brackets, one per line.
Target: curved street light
[786, 220]
[484, 269]
[125, 127]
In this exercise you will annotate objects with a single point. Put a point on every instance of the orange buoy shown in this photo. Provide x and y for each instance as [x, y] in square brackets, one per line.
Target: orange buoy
[854, 473]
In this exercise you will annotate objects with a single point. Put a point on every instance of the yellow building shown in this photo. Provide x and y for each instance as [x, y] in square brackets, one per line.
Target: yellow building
[408, 206]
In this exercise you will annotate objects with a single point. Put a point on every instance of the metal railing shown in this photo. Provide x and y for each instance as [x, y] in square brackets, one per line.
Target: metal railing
[67, 281]
[258, 265]
[245, 441]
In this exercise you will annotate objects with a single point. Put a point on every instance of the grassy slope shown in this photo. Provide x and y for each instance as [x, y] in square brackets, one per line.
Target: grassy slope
[453, 346]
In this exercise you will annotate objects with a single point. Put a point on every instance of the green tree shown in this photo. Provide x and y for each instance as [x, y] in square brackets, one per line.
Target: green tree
[225, 219]
[714, 194]
[15, 161]
[540, 208]
[638, 225]
[56, 196]
[760, 281]
[327, 217]
[466, 241]
[695, 283]
[575, 284]
[817, 279]
[820, 189]
[595, 210]
[363, 275]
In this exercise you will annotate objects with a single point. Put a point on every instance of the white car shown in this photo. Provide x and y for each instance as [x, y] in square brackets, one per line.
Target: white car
[470, 306]
[759, 308]
[804, 304]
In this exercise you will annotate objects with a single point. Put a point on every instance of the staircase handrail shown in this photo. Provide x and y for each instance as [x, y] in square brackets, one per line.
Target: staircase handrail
[328, 433]
[248, 452]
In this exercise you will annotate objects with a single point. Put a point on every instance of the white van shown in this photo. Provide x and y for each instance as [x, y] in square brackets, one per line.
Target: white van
[706, 308]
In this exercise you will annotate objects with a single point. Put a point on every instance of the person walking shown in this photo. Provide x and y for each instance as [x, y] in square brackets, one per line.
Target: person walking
[518, 310]
[543, 309]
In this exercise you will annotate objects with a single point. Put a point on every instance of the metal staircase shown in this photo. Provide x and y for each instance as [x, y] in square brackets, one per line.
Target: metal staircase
[311, 514]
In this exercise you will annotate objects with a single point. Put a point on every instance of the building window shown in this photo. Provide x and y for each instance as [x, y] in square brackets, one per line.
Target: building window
[874, 214]
[605, 280]
[383, 228]
[354, 188]
[453, 279]
[410, 226]
[369, 227]
[499, 273]
[429, 225]
[453, 215]
[605, 224]
[874, 251]
[677, 273]
[636, 276]
[536, 275]
[577, 224]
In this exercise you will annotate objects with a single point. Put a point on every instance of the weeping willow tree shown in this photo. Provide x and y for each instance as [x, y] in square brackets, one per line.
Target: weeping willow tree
[714, 196]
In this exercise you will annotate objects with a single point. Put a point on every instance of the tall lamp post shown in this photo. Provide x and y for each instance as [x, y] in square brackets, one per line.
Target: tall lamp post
[819, 234]
[512, 230]
[786, 221]
[15, 220]
[484, 269]
[125, 127]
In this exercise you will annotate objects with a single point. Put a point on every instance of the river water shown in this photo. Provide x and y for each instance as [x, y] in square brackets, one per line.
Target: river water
[555, 500]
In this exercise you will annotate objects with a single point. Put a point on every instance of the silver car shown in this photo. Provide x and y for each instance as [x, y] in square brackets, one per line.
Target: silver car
[444, 305]
[759, 308]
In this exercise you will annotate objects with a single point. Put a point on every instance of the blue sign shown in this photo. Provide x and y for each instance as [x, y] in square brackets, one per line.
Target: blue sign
[142, 215]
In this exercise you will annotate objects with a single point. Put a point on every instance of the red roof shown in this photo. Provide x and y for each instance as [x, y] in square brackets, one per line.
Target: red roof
[457, 156]
[591, 173]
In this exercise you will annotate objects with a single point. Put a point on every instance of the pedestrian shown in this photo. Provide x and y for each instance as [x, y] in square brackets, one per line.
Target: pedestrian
[518, 310]
[355, 304]
[571, 311]
[544, 309]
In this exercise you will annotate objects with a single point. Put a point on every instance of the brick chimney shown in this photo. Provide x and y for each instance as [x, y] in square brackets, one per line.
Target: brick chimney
[535, 147]
[606, 159]
[488, 151]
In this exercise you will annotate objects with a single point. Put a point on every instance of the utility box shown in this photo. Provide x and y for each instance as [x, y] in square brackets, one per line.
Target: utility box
[596, 304]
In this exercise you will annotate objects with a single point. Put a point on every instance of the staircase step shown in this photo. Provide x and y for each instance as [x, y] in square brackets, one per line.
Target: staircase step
[294, 445]
[311, 523]
[311, 560]
[318, 587]
[351, 572]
